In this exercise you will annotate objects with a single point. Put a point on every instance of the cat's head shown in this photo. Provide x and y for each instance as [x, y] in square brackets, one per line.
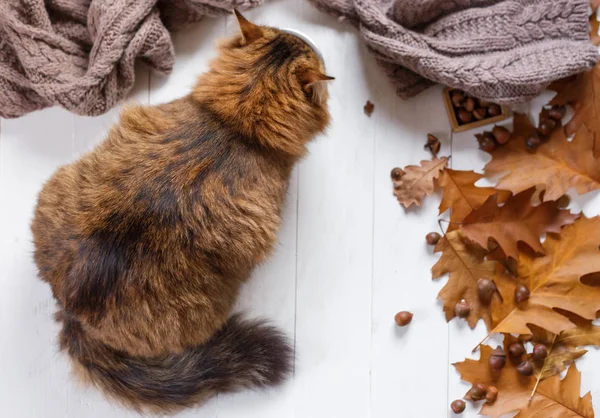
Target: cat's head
[271, 83]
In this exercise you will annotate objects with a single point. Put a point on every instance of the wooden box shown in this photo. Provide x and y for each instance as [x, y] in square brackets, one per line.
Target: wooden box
[456, 124]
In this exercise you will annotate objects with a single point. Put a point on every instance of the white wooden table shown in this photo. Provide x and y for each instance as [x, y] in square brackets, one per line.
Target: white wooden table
[348, 259]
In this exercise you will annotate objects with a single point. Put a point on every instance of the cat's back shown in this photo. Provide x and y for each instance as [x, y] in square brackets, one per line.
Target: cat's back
[172, 194]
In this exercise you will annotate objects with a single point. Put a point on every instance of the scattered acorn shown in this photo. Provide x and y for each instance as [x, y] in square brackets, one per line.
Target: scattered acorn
[397, 173]
[487, 142]
[564, 201]
[458, 406]
[522, 294]
[525, 368]
[547, 126]
[540, 352]
[557, 112]
[462, 309]
[403, 318]
[532, 143]
[491, 394]
[432, 238]
[433, 144]
[501, 134]
[497, 359]
[478, 391]
[516, 349]
[486, 289]
[494, 110]
[368, 108]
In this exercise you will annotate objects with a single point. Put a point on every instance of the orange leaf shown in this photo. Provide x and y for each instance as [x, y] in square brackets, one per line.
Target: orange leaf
[465, 265]
[584, 94]
[594, 37]
[556, 398]
[461, 194]
[417, 182]
[516, 221]
[557, 164]
[557, 282]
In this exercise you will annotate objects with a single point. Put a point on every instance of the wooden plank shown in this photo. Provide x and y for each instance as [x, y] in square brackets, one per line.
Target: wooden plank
[33, 382]
[409, 366]
[335, 237]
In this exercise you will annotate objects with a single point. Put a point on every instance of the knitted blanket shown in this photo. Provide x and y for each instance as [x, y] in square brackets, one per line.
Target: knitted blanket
[505, 51]
[80, 54]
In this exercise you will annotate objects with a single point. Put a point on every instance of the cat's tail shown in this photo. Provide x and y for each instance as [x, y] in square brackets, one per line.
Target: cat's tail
[243, 354]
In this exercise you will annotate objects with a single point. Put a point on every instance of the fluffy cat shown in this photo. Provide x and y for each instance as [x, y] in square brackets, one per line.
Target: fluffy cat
[146, 240]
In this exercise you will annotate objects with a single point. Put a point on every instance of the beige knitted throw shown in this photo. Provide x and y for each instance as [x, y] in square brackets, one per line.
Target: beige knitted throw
[80, 54]
[505, 51]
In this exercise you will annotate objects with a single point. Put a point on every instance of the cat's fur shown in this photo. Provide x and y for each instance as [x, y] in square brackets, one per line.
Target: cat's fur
[146, 240]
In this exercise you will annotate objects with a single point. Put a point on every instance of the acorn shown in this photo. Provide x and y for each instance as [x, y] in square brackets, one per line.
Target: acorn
[532, 143]
[516, 350]
[491, 394]
[547, 126]
[494, 110]
[397, 173]
[403, 318]
[525, 368]
[486, 289]
[458, 97]
[540, 352]
[487, 142]
[483, 103]
[470, 104]
[462, 309]
[465, 116]
[501, 134]
[522, 294]
[458, 406]
[478, 391]
[432, 238]
[497, 359]
[557, 112]
[480, 113]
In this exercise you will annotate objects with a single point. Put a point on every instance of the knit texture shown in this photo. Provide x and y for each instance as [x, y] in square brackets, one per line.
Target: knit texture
[506, 51]
[80, 54]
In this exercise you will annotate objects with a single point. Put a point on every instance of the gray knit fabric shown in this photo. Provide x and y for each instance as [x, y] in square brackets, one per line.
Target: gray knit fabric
[80, 54]
[505, 51]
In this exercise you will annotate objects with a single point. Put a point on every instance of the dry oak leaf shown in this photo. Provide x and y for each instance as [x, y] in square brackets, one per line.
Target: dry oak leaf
[564, 348]
[583, 93]
[594, 4]
[557, 164]
[556, 398]
[465, 263]
[460, 193]
[595, 25]
[417, 182]
[557, 282]
[517, 220]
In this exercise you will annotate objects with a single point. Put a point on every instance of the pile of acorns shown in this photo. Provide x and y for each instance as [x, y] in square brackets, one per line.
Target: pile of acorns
[549, 119]
[486, 289]
[468, 109]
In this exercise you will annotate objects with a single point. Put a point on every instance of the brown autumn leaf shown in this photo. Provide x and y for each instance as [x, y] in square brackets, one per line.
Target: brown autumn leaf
[517, 220]
[460, 193]
[417, 182]
[563, 348]
[583, 93]
[465, 264]
[556, 398]
[594, 4]
[557, 281]
[557, 164]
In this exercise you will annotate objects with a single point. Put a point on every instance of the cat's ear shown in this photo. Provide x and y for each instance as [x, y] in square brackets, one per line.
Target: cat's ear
[250, 31]
[315, 82]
